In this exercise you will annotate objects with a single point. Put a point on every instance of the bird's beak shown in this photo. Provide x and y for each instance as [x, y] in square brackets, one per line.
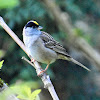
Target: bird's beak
[40, 27]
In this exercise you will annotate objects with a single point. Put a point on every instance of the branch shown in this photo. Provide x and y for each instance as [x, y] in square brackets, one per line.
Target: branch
[45, 78]
[62, 19]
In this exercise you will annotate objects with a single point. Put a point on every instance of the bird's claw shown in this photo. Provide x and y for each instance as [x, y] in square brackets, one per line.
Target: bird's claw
[42, 72]
[33, 60]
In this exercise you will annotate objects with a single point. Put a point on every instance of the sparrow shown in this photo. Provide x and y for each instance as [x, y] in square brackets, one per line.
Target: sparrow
[42, 47]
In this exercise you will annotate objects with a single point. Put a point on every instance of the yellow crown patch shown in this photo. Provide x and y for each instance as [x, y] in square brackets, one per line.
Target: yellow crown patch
[35, 22]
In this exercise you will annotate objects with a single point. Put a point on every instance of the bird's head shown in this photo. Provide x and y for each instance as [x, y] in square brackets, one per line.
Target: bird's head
[33, 24]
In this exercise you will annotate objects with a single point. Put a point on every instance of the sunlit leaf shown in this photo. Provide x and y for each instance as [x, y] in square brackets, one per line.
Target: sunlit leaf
[1, 63]
[21, 97]
[8, 3]
[27, 90]
[35, 93]
[1, 82]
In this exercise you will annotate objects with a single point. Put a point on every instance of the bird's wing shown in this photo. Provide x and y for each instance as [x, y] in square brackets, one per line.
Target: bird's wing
[50, 43]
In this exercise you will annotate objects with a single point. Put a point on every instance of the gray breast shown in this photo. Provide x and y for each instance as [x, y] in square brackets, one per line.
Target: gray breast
[40, 53]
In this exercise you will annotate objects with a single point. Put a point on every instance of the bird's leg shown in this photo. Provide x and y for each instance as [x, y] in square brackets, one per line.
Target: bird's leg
[43, 70]
[46, 67]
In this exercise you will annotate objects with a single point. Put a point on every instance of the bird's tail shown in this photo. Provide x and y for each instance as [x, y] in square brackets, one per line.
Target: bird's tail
[78, 63]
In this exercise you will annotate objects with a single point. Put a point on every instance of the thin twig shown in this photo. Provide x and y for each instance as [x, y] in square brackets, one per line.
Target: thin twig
[28, 61]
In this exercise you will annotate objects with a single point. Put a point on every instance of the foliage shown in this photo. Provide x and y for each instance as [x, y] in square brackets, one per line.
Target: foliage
[1, 63]
[6, 4]
[24, 92]
[80, 33]
[1, 82]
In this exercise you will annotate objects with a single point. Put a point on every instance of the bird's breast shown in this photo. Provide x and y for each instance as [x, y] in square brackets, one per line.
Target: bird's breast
[40, 53]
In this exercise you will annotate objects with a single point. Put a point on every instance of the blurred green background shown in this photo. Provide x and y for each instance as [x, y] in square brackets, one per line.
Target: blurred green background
[71, 81]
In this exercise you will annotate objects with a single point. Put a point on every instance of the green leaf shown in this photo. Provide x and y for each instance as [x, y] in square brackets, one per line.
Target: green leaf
[8, 3]
[24, 92]
[28, 91]
[1, 63]
[1, 82]
[21, 97]
[34, 94]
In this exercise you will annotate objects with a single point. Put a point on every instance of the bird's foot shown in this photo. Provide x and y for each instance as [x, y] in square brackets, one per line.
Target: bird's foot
[43, 71]
[33, 60]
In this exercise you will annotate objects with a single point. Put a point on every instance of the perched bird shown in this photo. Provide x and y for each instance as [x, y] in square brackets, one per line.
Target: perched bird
[42, 47]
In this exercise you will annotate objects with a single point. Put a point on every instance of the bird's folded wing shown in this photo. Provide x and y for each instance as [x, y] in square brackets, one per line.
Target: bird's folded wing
[50, 43]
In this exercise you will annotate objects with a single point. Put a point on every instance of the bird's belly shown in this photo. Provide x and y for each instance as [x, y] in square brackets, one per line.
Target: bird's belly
[42, 54]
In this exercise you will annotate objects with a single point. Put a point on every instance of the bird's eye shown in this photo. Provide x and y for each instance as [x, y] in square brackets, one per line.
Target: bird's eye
[35, 26]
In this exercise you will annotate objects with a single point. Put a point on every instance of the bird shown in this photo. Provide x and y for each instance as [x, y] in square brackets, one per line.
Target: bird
[42, 47]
